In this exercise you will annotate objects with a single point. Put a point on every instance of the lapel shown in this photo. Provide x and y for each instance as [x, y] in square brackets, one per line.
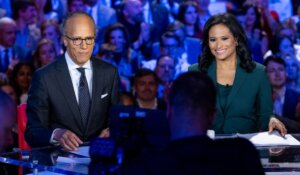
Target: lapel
[211, 71]
[98, 82]
[240, 76]
[65, 83]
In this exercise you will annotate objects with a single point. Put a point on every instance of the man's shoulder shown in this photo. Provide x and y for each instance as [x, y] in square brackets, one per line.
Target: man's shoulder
[235, 147]
[102, 64]
[194, 67]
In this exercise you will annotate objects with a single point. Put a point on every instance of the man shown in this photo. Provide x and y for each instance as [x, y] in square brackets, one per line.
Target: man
[191, 110]
[285, 100]
[69, 100]
[9, 54]
[140, 33]
[25, 15]
[103, 17]
[145, 86]
[165, 70]
[75, 6]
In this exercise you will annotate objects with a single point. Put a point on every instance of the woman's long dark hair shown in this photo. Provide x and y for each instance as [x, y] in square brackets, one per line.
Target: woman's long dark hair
[238, 33]
[118, 26]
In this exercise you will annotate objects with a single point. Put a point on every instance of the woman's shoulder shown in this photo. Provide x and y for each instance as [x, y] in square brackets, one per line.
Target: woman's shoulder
[194, 67]
[259, 68]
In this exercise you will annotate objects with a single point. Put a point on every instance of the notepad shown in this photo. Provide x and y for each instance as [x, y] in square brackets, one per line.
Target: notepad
[266, 139]
[83, 151]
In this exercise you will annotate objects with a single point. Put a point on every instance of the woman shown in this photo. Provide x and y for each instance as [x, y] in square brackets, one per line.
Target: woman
[257, 38]
[50, 29]
[187, 15]
[124, 58]
[20, 79]
[244, 95]
[44, 53]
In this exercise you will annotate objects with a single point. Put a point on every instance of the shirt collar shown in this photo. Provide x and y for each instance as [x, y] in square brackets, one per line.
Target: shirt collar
[72, 65]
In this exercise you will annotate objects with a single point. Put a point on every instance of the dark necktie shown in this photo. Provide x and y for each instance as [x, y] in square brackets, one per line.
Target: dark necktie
[5, 61]
[83, 97]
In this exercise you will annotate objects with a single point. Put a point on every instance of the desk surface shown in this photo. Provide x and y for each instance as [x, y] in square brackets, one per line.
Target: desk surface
[274, 159]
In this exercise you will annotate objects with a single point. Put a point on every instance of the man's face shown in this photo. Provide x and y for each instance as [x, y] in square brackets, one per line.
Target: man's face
[146, 88]
[29, 14]
[277, 74]
[76, 6]
[169, 46]
[50, 33]
[79, 27]
[165, 69]
[133, 11]
[8, 34]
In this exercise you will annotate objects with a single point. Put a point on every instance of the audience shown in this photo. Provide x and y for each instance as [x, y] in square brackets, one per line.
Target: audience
[123, 57]
[25, 15]
[190, 46]
[145, 86]
[20, 79]
[165, 71]
[257, 38]
[10, 53]
[140, 33]
[7, 88]
[50, 29]
[75, 6]
[188, 16]
[44, 53]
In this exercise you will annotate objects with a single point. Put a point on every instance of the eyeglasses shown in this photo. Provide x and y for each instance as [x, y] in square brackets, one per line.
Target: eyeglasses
[78, 41]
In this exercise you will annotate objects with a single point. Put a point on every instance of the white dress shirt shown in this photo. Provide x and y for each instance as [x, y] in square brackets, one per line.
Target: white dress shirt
[75, 74]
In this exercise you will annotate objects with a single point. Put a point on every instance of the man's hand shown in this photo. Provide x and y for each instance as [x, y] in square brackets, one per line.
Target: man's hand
[67, 139]
[274, 123]
[104, 133]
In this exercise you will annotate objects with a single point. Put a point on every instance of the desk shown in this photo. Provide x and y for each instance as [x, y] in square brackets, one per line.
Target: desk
[276, 160]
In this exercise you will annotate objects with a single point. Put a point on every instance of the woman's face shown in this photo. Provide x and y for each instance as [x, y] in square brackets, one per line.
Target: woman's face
[250, 16]
[23, 77]
[50, 33]
[190, 16]
[286, 47]
[291, 68]
[46, 54]
[221, 42]
[117, 39]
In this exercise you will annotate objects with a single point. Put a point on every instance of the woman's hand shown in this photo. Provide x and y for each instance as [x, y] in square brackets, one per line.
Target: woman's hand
[274, 123]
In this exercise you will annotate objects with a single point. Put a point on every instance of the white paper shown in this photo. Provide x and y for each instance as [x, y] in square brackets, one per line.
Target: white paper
[266, 139]
[83, 151]
[74, 160]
